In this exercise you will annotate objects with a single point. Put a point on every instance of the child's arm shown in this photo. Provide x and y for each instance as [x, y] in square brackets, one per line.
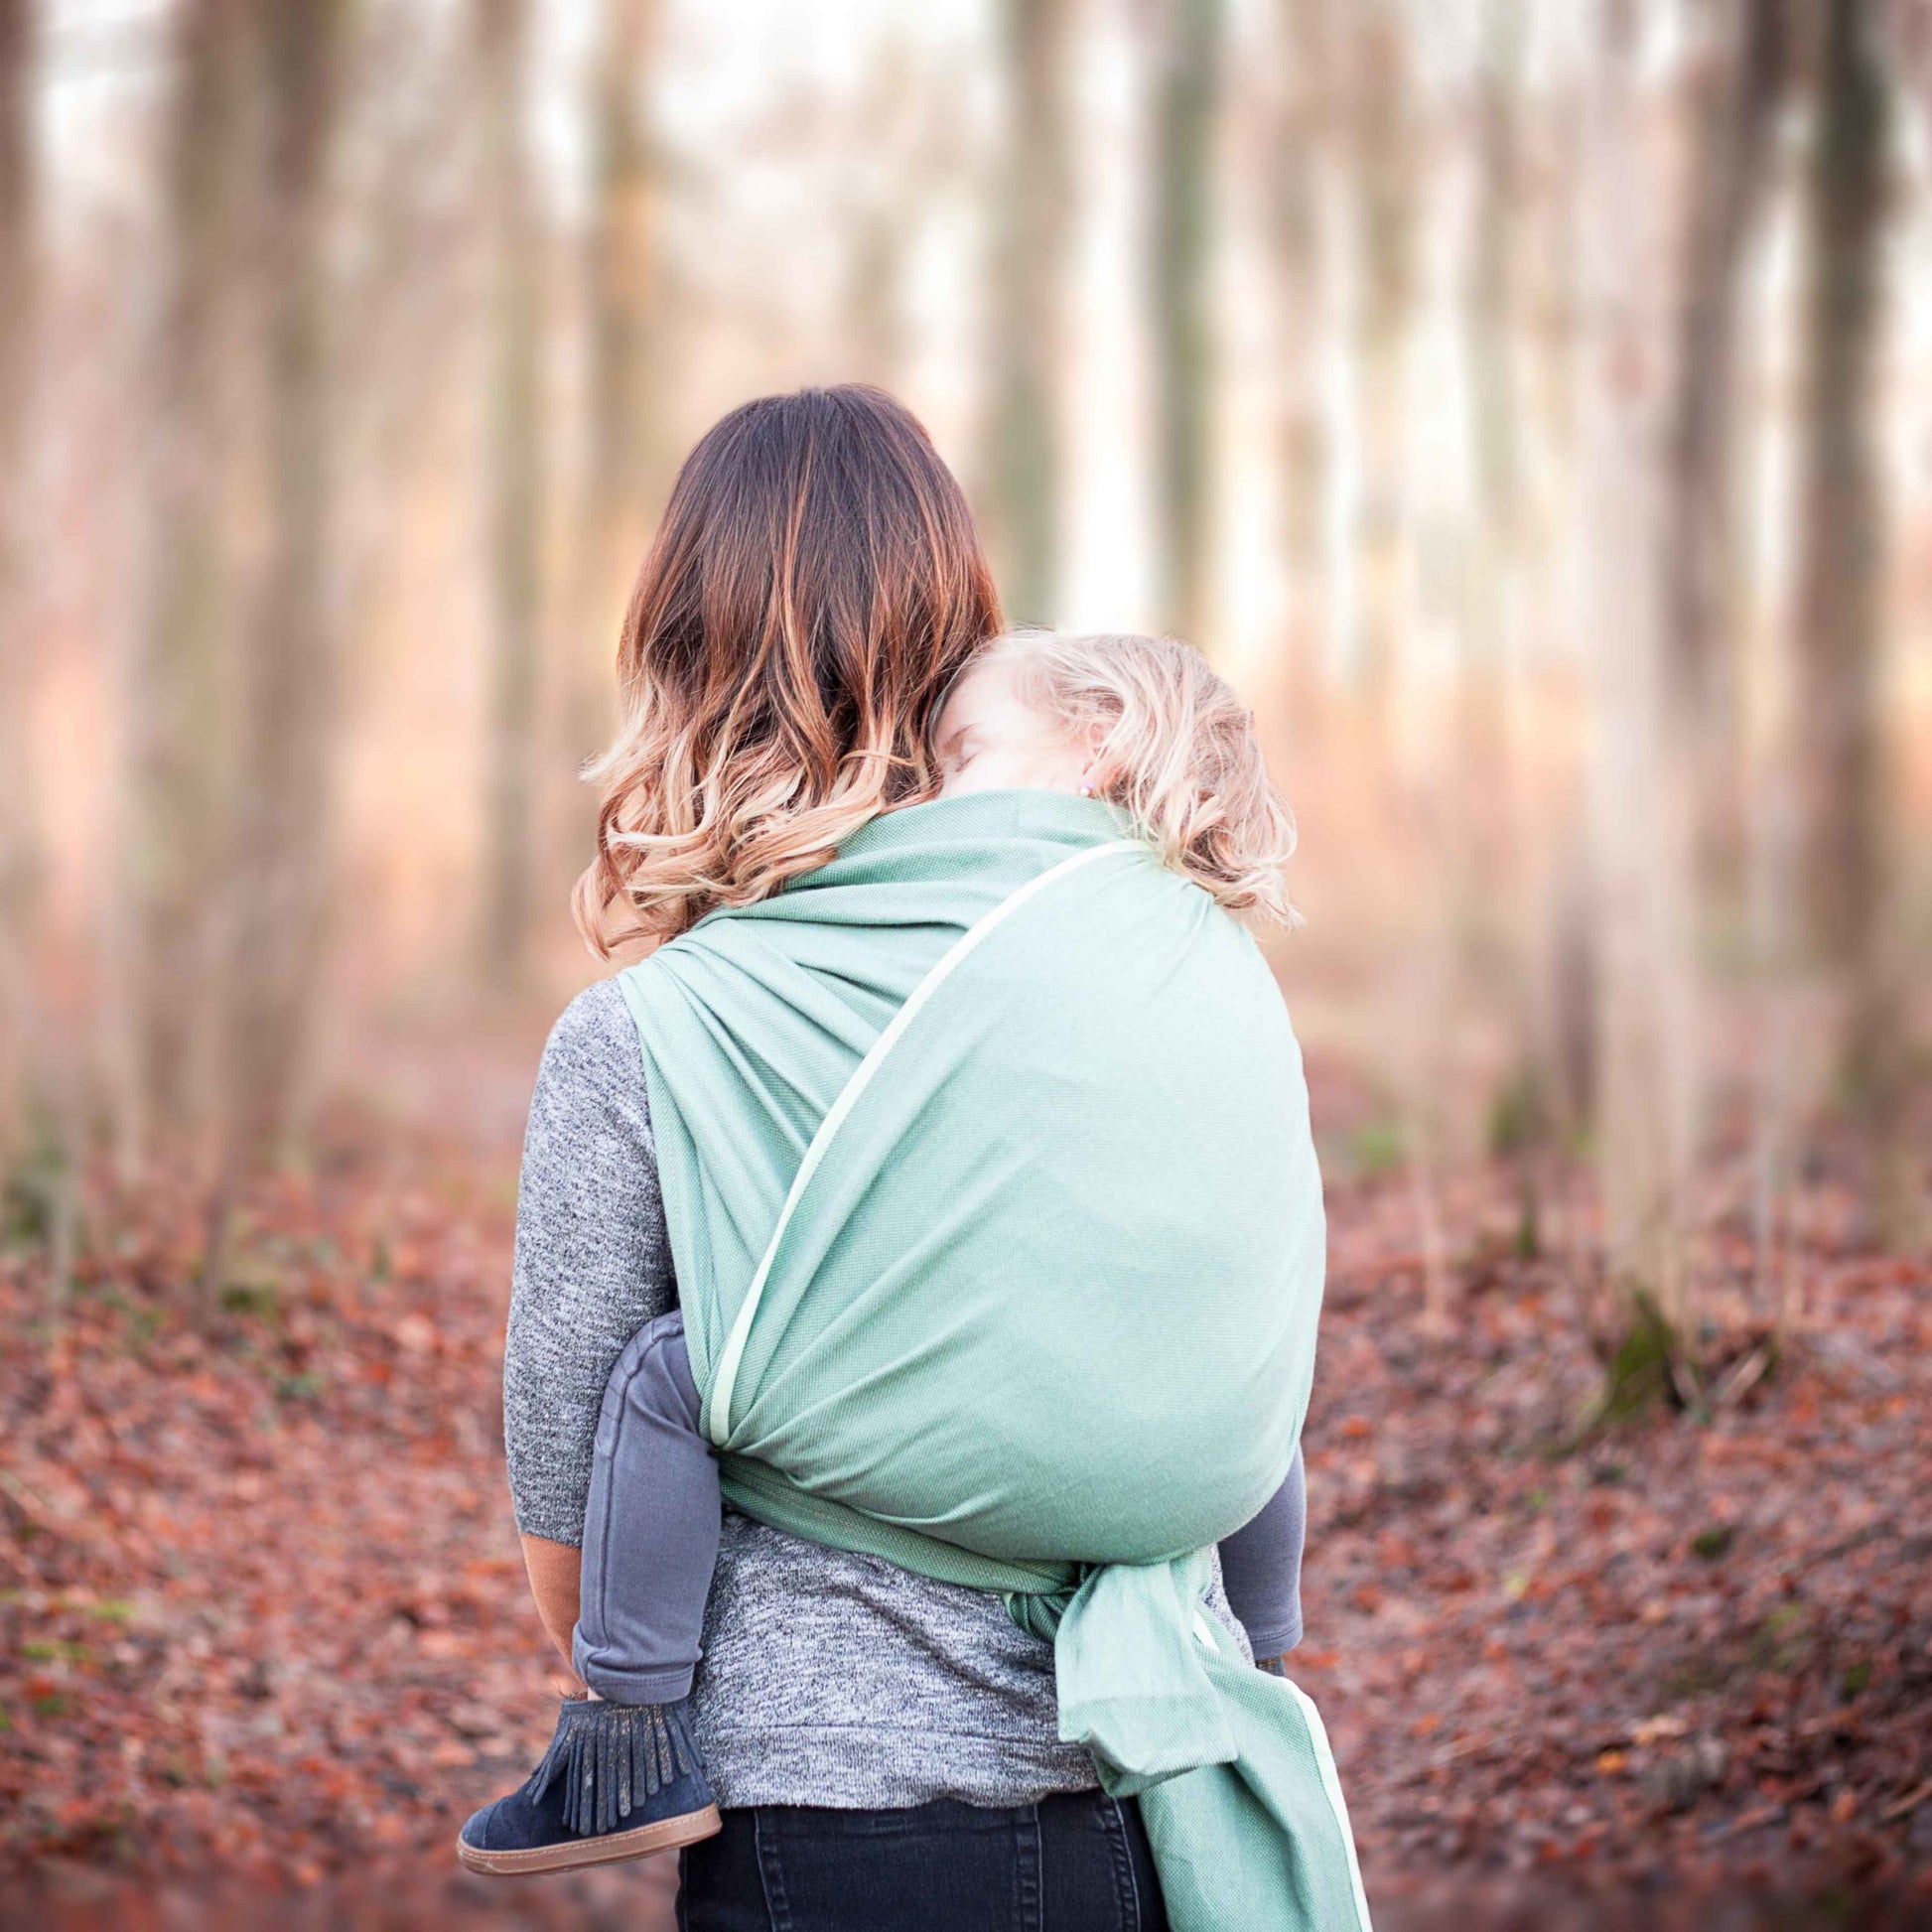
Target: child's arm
[1260, 1568]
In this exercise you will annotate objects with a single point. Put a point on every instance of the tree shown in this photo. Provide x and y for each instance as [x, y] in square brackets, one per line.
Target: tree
[18, 857]
[1186, 97]
[510, 532]
[1296, 184]
[622, 254]
[1032, 244]
[1842, 783]
[1647, 1091]
[286, 674]
[1491, 313]
[1384, 158]
[1735, 86]
[174, 697]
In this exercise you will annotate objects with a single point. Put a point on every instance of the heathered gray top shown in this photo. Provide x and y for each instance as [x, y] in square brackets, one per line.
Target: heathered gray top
[829, 1678]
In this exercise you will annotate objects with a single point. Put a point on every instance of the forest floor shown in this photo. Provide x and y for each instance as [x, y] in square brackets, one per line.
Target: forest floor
[263, 1627]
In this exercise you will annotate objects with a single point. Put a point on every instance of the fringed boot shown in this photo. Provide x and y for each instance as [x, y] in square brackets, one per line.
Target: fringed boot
[619, 1781]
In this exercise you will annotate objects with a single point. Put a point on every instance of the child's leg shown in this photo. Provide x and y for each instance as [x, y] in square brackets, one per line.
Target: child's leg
[1260, 1568]
[651, 1531]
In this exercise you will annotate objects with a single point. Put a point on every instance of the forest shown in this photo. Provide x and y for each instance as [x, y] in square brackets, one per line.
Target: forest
[1527, 404]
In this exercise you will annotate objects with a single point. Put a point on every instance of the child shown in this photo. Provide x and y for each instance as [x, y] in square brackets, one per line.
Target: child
[1144, 724]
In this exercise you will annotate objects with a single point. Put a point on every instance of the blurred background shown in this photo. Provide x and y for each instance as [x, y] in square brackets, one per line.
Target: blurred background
[1525, 402]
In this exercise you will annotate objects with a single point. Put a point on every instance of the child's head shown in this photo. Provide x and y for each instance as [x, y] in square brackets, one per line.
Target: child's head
[1143, 723]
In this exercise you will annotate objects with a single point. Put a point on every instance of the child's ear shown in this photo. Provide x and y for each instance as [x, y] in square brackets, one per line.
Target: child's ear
[1101, 771]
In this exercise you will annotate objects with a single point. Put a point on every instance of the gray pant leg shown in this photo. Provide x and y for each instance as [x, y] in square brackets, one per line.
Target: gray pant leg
[1261, 1566]
[651, 1528]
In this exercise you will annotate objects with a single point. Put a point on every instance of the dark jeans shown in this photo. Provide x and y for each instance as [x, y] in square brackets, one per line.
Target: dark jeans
[1077, 1863]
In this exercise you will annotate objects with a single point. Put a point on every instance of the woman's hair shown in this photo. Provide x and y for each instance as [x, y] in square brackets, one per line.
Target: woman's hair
[1177, 753]
[814, 587]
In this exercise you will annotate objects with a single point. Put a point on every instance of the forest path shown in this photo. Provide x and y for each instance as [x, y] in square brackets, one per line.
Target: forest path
[264, 1622]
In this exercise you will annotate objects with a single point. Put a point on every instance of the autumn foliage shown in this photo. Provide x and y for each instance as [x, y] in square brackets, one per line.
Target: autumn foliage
[264, 1628]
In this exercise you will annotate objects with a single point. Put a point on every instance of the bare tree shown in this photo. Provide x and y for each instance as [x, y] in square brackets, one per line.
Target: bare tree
[1646, 1038]
[286, 677]
[176, 722]
[1384, 178]
[1735, 84]
[623, 242]
[18, 854]
[624, 448]
[1295, 185]
[1841, 620]
[1187, 91]
[1031, 243]
[511, 534]
[1490, 316]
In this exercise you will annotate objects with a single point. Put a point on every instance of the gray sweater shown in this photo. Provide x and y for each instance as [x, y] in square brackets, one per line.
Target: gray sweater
[829, 1678]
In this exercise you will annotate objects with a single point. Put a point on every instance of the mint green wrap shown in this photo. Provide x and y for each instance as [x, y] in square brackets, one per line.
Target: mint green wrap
[998, 1238]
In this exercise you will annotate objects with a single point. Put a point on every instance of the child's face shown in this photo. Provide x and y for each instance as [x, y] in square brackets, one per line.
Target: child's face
[990, 740]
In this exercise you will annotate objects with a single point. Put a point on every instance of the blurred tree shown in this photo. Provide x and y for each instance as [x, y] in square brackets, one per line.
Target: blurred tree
[1295, 185]
[19, 859]
[1736, 83]
[1383, 160]
[286, 677]
[622, 253]
[1187, 91]
[1647, 1091]
[1491, 318]
[511, 535]
[1032, 248]
[173, 703]
[1840, 618]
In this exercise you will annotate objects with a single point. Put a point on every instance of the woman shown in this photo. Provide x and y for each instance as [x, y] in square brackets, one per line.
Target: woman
[886, 1747]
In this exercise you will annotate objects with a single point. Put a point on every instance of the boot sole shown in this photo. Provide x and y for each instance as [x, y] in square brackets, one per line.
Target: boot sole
[610, 1848]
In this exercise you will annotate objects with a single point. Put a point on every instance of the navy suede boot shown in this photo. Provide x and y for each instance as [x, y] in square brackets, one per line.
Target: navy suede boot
[619, 1781]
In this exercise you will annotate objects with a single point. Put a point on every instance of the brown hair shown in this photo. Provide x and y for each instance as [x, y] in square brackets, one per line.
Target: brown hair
[812, 590]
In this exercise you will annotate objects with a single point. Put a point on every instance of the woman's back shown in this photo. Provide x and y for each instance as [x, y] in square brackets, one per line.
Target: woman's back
[831, 1678]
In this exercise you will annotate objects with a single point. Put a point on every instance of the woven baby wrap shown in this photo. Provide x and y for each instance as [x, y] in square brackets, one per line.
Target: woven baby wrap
[998, 1238]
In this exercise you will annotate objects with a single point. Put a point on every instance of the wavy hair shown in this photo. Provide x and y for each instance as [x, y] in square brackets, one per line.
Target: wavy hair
[1177, 750]
[814, 587]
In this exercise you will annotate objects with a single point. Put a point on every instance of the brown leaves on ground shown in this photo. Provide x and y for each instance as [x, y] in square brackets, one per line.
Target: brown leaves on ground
[264, 1623]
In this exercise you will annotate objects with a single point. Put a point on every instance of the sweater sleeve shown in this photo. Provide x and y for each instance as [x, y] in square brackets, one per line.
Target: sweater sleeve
[593, 1257]
[1260, 1568]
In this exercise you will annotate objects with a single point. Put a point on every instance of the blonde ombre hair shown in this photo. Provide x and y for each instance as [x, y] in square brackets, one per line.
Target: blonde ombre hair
[815, 586]
[1175, 750]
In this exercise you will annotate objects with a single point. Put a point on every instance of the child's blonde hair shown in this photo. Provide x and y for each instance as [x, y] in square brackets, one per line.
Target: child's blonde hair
[1177, 753]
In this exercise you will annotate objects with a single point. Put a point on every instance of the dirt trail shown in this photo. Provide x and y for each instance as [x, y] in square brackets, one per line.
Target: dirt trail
[264, 1625]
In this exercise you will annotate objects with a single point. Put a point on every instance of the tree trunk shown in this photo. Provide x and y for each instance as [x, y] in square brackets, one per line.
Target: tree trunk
[173, 700]
[1295, 183]
[1732, 110]
[1840, 621]
[511, 535]
[1385, 224]
[1026, 466]
[624, 467]
[1188, 95]
[1491, 310]
[287, 673]
[622, 254]
[1646, 1032]
[18, 845]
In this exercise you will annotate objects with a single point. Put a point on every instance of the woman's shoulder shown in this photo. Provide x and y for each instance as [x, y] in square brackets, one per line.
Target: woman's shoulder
[591, 1059]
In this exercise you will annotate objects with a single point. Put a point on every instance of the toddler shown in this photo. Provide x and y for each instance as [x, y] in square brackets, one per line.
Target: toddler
[1144, 724]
